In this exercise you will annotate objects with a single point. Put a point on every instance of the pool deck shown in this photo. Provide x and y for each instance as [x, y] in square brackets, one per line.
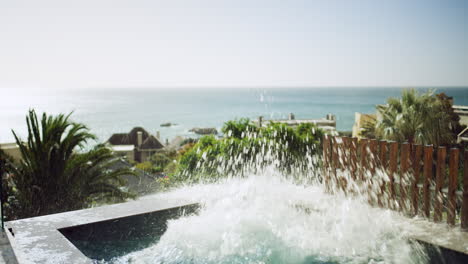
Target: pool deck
[37, 240]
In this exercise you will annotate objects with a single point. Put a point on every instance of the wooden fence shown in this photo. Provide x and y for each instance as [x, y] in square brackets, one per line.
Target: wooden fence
[411, 178]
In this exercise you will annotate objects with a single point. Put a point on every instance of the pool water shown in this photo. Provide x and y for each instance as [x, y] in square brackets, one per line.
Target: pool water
[270, 219]
[108, 240]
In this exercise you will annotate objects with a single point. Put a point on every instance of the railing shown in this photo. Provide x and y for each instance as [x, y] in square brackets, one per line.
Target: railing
[411, 178]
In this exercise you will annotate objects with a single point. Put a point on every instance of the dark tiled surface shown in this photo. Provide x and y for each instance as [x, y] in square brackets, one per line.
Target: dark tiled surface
[6, 253]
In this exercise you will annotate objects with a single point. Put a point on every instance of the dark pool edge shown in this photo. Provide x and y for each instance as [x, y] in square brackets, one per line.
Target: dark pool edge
[7, 255]
[38, 240]
[439, 254]
[104, 240]
[440, 235]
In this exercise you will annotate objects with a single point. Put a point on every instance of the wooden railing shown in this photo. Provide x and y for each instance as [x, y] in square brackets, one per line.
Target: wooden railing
[411, 178]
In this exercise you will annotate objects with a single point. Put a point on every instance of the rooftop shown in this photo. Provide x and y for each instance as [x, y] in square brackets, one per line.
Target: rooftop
[8, 146]
[131, 138]
[122, 147]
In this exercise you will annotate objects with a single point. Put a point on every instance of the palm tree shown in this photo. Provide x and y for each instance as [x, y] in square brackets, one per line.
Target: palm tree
[53, 176]
[368, 129]
[416, 118]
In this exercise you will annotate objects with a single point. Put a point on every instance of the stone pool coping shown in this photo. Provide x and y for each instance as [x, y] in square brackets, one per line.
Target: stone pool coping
[38, 239]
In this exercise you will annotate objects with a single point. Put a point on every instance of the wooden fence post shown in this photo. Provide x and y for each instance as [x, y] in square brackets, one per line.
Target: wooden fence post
[334, 162]
[417, 152]
[428, 149]
[345, 150]
[353, 156]
[383, 154]
[383, 167]
[464, 210]
[363, 159]
[404, 166]
[329, 162]
[440, 176]
[346, 161]
[372, 164]
[326, 160]
[453, 173]
[391, 172]
[339, 156]
[373, 156]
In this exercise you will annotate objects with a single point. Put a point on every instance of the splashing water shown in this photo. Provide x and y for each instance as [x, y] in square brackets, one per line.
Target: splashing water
[267, 218]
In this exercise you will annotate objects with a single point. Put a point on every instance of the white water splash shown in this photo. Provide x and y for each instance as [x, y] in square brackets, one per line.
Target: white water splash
[268, 219]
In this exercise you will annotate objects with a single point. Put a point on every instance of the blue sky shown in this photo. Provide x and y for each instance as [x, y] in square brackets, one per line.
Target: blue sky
[150, 44]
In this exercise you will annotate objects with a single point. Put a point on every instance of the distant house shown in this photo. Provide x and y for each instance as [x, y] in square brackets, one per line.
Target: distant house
[463, 136]
[360, 120]
[327, 124]
[137, 145]
[12, 150]
[462, 112]
[176, 143]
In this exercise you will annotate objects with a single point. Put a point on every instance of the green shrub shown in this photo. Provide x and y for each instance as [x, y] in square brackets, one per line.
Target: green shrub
[248, 149]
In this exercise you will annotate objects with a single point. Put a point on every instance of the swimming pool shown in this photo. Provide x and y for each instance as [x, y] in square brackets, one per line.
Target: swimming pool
[257, 219]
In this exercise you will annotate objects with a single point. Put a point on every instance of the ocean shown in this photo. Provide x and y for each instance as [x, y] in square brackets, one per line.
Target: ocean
[109, 111]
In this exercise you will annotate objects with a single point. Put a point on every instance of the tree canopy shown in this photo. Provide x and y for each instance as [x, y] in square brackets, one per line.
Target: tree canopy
[416, 117]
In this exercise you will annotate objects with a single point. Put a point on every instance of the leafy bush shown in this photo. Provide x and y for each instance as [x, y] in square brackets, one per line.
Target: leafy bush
[246, 149]
[145, 166]
[237, 128]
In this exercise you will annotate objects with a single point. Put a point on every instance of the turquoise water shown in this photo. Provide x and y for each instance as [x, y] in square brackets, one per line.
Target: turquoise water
[106, 240]
[268, 219]
[112, 111]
